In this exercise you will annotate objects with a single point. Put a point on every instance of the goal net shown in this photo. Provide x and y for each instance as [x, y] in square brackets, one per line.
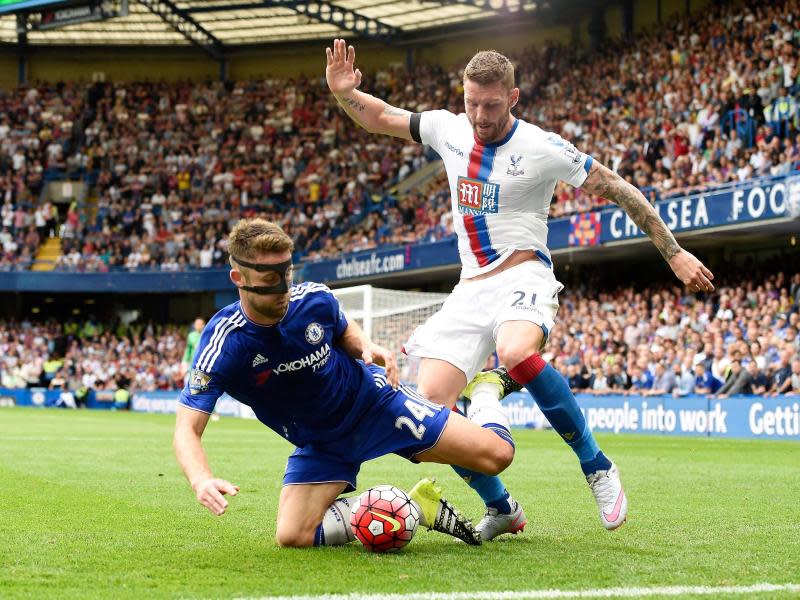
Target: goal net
[389, 317]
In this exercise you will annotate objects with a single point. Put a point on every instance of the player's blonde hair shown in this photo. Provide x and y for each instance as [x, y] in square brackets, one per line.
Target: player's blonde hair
[252, 237]
[488, 67]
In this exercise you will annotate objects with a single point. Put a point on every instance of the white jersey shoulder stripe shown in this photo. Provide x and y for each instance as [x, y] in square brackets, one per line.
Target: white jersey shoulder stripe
[217, 330]
[309, 284]
[234, 324]
[305, 288]
[310, 290]
[214, 347]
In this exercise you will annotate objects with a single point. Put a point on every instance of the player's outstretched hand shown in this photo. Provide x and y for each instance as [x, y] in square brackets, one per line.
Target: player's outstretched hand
[210, 493]
[694, 274]
[341, 75]
[381, 356]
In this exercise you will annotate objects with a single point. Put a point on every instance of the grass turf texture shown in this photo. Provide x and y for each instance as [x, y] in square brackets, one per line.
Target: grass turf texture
[94, 505]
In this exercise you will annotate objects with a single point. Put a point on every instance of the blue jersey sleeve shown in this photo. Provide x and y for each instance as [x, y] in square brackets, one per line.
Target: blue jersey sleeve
[201, 391]
[206, 381]
[339, 319]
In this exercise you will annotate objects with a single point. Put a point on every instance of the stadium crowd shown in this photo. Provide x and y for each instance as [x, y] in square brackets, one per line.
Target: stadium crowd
[658, 108]
[91, 356]
[172, 165]
[658, 340]
[661, 340]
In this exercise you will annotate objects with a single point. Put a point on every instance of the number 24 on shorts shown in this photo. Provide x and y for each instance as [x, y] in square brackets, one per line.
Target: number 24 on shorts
[419, 411]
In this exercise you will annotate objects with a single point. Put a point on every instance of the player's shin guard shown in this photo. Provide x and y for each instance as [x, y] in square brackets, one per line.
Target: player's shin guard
[485, 411]
[558, 404]
[335, 528]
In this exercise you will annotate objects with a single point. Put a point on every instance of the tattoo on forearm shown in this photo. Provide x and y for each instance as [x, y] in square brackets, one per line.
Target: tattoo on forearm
[394, 111]
[611, 186]
[353, 103]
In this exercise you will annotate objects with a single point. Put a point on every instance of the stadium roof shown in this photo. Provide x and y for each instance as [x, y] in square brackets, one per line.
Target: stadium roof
[214, 24]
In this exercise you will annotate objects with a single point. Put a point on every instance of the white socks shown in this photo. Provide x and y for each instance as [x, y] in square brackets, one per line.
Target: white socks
[335, 525]
[485, 407]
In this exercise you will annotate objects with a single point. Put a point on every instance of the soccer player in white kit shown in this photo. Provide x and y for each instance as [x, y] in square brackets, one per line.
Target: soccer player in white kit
[502, 172]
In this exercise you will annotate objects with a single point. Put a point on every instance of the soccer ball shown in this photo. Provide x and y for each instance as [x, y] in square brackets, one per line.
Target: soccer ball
[384, 518]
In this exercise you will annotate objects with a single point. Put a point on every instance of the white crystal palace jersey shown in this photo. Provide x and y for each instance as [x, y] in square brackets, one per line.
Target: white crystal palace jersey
[500, 192]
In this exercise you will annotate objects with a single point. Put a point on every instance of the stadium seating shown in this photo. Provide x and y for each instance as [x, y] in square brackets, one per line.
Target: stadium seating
[170, 166]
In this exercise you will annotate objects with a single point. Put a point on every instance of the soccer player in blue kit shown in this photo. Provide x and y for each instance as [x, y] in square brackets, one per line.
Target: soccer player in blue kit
[310, 375]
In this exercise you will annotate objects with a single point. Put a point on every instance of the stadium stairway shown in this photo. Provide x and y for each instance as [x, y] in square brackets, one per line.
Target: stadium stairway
[48, 254]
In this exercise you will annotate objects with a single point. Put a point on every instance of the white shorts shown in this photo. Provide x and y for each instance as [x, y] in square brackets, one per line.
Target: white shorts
[464, 331]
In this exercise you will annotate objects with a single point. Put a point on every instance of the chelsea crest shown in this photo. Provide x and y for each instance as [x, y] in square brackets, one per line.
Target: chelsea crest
[314, 333]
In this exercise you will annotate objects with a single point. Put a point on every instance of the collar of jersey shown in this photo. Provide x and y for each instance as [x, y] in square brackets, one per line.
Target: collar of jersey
[500, 142]
[254, 324]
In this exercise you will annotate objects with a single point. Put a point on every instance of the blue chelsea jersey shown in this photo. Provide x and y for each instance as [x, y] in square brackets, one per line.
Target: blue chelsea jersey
[294, 375]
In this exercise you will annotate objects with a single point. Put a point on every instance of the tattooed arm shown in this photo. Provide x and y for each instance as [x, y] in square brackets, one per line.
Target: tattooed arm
[371, 113]
[607, 184]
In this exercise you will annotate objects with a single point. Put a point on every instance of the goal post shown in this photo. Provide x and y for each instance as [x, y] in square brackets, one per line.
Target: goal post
[389, 317]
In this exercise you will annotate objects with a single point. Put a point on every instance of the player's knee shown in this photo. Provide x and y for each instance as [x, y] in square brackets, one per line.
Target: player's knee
[287, 537]
[497, 458]
[502, 458]
[513, 352]
[439, 396]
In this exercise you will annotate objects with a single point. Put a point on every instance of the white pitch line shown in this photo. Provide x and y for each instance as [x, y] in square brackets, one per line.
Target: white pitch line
[621, 592]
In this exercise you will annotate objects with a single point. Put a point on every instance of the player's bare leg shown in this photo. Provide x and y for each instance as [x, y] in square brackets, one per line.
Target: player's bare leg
[440, 382]
[303, 510]
[518, 346]
[467, 445]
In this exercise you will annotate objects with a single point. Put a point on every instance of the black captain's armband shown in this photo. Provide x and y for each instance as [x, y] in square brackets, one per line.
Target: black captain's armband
[414, 127]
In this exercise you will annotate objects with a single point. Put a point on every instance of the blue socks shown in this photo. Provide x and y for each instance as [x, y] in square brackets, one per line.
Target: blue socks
[558, 404]
[598, 463]
[489, 487]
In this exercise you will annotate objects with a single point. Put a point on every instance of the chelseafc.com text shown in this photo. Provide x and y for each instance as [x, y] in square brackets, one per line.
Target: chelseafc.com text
[371, 265]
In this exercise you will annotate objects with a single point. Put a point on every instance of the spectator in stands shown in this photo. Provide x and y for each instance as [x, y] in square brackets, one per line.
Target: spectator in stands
[663, 381]
[618, 382]
[684, 379]
[641, 380]
[795, 289]
[759, 383]
[598, 382]
[705, 382]
[576, 379]
[739, 381]
[791, 384]
[781, 374]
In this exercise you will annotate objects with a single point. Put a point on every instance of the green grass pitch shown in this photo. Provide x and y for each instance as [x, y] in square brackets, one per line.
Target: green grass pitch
[93, 505]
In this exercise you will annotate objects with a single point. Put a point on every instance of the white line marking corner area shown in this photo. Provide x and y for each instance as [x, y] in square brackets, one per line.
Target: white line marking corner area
[621, 592]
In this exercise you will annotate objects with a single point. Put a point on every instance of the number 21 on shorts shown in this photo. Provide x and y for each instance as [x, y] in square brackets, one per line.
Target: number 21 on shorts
[519, 299]
[420, 412]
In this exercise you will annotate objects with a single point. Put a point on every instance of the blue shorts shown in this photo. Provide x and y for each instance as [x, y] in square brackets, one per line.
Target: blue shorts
[399, 421]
